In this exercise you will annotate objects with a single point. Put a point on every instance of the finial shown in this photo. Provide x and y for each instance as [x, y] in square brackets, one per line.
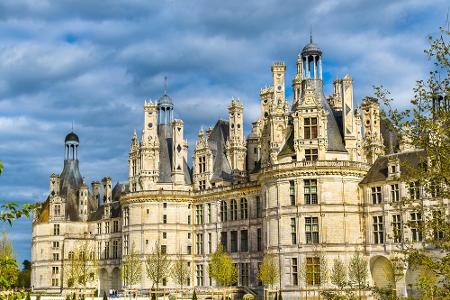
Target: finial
[165, 85]
[72, 125]
[310, 34]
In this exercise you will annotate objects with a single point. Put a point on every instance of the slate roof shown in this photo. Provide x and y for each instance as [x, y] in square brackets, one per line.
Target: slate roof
[216, 142]
[379, 170]
[390, 139]
[70, 182]
[288, 147]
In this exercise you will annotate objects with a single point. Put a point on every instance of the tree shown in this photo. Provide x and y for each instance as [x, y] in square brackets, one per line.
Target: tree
[157, 265]
[338, 274]
[358, 271]
[268, 271]
[24, 279]
[180, 270]
[221, 268]
[427, 122]
[8, 264]
[131, 270]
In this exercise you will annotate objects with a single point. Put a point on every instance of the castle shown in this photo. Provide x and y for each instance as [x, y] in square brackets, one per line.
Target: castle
[315, 174]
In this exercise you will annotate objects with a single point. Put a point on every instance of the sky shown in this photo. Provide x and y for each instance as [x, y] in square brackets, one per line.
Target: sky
[94, 63]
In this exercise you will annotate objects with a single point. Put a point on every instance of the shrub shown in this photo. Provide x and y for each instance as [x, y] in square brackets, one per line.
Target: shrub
[28, 296]
[248, 297]
[194, 296]
[172, 297]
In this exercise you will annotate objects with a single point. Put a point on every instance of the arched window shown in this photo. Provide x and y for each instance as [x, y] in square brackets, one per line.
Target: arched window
[244, 209]
[234, 210]
[223, 211]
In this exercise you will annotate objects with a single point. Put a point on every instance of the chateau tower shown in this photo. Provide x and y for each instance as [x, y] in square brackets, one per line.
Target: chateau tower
[236, 150]
[179, 150]
[83, 194]
[373, 141]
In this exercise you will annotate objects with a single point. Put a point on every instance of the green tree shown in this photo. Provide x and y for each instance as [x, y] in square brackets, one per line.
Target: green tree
[221, 268]
[131, 270]
[157, 265]
[358, 272]
[268, 272]
[9, 269]
[427, 122]
[24, 279]
[180, 270]
[338, 274]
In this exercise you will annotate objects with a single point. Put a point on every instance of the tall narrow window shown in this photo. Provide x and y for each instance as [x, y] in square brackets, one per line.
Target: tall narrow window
[163, 249]
[116, 226]
[416, 226]
[234, 210]
[199, 271]
[115, 249]
[244, 274]
[259, 239]
[258, 207]
[310, 128]
[55, 229]
[292, 192]
[125, 244]
[313, 270]
[244, 240]
[310, 191]
[164, 219]
[202, 164]
[224, 240]
[209, 243]
[209, 213]
[244, 209]
[234, 241]
[378, 230]
[106, 252]
[57, 210]
[199, 214]
[395, 192]
[311, 154]
[294, 271]
[414, 190]
[397, 228]
[438, 225]
[223, 211]
[376, 195]
[106, 227]
[199, 243]
[293, 231]
[126, 216]
[312, 230]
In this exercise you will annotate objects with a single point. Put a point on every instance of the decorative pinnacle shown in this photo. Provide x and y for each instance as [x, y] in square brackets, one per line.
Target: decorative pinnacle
[310, 34]
[165, 85]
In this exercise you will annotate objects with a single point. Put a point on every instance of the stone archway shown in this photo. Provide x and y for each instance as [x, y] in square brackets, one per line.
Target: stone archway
[115, 280]
[382, 272]
[104, 282]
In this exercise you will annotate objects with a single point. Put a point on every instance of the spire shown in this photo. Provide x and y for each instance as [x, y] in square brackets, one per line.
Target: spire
[310, 34]
[165, 85]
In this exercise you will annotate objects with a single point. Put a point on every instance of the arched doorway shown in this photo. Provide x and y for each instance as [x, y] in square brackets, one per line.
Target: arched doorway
[382, 272]
[115, 280]
[104, 282]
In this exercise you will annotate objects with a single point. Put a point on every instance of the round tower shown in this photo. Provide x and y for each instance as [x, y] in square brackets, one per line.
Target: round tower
[71, 143]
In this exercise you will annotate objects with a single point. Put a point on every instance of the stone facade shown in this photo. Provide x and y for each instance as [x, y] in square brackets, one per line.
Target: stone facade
[301, 182]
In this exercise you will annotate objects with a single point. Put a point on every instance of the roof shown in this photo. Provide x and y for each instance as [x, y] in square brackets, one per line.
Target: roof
[217, 140]
[72, 137]
[288, 147]
[379, 170]
[70, 182]
[311, 48]
[165, 100]
[391, 140]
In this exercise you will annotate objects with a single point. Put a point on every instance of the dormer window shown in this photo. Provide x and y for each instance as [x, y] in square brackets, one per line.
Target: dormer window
[310, 128]
[202, 164]
[57, 210]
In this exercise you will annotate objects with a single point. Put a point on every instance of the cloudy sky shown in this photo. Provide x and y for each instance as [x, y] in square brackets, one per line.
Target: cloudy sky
[95, 62]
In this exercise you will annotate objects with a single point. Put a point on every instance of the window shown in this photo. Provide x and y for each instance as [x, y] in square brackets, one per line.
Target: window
[99, 228]
[189, 219]
[54, 281]
[435, 188]
[293, 231]
[106, 250]
[224, 240]
[199, 214]
[310, 191]
[244, 209]
[414, 190]
[209, 242]
[294, 271]
[202, 184]
[199, 243]
[115, 251]
[55, 270]
[313, 270]
[312, 230]
[416, 223]
[189, 249]
[234, 210]
[106, 227]
[199, 271]
[245, 268]
[209, 213]
[70, 255]
[55, 229]
[223, 211]
[116, 226]
[311, 154]
[165, 205]
[378, 230]
[234, 241]
[258, 207]
[244, 240]
[163, 249]
[259, 239]
[57, 210]
[395, 193]
[438, 226]
[126, 216]
[397, 228]
[310, 128]
[164, 281]
[202, 164]
[125, 244]
[189, 235]
[99, 251]
[292, 192]
[164, 219]
[55, 245]
[376, 195]
[55, 256]
[164, 235]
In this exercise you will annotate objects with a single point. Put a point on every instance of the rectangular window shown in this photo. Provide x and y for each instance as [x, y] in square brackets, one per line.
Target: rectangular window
[259, 239]
[395, 192]
[310, 191]
[313, 270]
[292, 192]
[164, 235]
[311, 154]
[312, 230]
[99, 228]
[106, 250]
[189, 220]
[258, 207]
[378, 230]
[189, 249]
[310, 128]
[244, 209]
[245, 268]
[54, 281]
[293, 231]
[164, 219]
[199, 214]
[209, 213]
[106, 227]
[397, 228]
[125, 244]
[55, 229]
[163, 249]
[116, 226]
[234, 210]
[416, 224]
[223, 211]
[294, 271]
[199, 243]
[199, 271]
[99, 251]
[224, 240]
[202, 164]
[234, 241]
[210, 243]
[126, 216]
[414, 190]
[244, 240]
[376, 195]
[57, 210]
[115, 249]
[55, 256]
[438, 225]
[55, 245]
[55, 270]
[202, 184]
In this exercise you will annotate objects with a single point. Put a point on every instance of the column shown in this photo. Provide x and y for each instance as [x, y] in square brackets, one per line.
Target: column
[307, 65]
[320, 67]
[315, 69]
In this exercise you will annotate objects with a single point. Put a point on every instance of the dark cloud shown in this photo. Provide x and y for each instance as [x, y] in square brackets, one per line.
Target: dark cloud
[94, 63]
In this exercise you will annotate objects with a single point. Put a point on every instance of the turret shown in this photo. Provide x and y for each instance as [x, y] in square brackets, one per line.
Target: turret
[149, 150]
[179, 150]
[83, 201]
[236, 150]
[95, 185]
[54, 185]
[373, 141]
[107, 189]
